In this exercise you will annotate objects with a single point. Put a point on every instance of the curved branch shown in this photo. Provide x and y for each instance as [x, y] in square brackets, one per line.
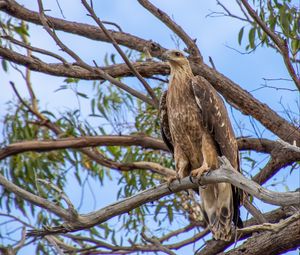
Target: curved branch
[223, 174]
[281, 155]
[34, 199]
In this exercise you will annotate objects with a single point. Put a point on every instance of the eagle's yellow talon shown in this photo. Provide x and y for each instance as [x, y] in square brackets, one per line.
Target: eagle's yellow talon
[200, 171]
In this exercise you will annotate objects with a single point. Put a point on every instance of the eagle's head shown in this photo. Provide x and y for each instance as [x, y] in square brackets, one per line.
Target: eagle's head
[176, 59]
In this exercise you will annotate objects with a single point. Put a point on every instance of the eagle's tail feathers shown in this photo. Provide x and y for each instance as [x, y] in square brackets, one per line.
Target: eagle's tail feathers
[218, 209]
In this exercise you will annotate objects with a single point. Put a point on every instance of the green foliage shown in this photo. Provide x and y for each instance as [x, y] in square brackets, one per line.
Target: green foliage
[282, 18]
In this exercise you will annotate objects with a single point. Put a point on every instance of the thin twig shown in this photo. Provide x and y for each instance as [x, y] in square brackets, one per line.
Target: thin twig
[280, 43]
[193, 50]
[81, 63]
[276, 227]
[122, 54]
[254, 211]
[157, 243]
[112, 24]
[35, 49]
[63, 195]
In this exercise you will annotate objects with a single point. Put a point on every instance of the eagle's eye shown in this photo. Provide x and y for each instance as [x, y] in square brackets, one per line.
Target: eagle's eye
[177, 54]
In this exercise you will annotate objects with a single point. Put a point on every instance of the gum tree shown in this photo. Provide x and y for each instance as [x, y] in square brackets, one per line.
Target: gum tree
[44, 151]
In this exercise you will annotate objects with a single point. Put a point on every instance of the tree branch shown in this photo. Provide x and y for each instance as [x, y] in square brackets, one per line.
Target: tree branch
[35, 49]
[223, 174]
[276, 227]
[162, 16]
[12, 8]
[34, 199]
[271, 242]
[81, 142]
[122, 54]
[214, 247]
[235, 96]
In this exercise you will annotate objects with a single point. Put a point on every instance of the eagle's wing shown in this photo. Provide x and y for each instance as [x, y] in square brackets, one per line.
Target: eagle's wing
[164, 122]
[216, 121]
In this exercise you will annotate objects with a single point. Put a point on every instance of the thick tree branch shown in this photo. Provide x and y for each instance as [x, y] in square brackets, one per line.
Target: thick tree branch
[81, 142]
[280, 155]
[224, 174]
[14, 9]
[236, 96]
[214, 247]
[269, 243]
[259, 145]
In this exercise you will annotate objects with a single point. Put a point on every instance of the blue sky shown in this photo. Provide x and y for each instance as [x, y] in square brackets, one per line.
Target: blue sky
[213, 36]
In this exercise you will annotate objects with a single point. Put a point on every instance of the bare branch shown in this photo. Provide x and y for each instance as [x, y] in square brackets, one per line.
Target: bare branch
[81, 142]
[122, 54]
[14, 9]
[35, 49]
[21, 243]
[227, 13]
[190, 43]
[158, 244]
[235, 96]
[271, 242]
[81, 63]
[34, 199]
[259, 145]
[254, 211]
[63, 195]
[276, 227]
[223, 174]
[293, 147]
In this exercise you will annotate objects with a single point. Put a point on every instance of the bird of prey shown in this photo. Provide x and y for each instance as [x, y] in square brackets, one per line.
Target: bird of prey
[196, 128]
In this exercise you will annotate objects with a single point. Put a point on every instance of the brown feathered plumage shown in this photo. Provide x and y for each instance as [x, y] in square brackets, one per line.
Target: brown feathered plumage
[196, 128]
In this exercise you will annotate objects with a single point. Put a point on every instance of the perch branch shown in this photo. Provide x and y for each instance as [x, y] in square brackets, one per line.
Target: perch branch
[223, 174]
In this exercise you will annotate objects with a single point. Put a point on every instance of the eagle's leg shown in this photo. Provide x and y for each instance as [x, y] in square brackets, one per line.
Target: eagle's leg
[200, 171]
[181, 164]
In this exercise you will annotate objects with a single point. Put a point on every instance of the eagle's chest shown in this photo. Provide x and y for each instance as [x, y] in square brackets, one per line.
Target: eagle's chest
[184, 119]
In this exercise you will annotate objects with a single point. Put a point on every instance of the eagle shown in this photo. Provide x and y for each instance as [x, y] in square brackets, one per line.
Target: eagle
[196, 128]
